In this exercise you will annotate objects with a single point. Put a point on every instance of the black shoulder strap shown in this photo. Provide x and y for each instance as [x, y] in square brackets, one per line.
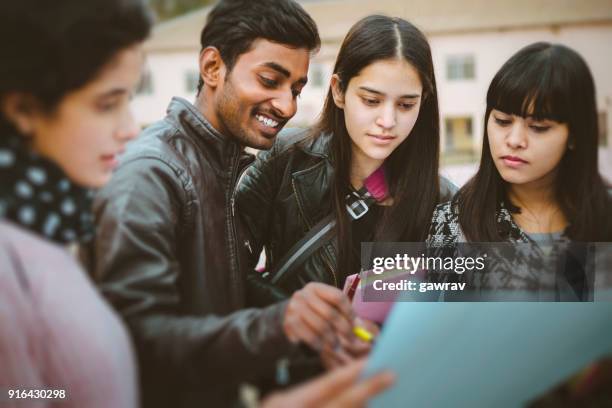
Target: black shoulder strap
[357, 205]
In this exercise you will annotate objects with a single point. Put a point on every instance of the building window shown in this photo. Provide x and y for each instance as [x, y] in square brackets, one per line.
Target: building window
[603, 128]
[459, 143]
[145, 86]
[460, 67]
[192, 78]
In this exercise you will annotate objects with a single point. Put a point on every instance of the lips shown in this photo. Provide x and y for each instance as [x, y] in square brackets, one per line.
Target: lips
[270, 125]
[513, 161]
[111, 160]
[381, 139]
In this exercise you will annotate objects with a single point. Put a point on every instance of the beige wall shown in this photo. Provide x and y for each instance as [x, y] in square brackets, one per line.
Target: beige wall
[457, 98]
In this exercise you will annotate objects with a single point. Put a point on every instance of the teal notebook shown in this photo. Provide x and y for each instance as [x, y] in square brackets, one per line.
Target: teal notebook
[486, 354]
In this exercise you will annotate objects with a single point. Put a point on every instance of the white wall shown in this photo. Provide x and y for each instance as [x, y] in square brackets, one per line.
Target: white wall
[168, 70]
[493, 49]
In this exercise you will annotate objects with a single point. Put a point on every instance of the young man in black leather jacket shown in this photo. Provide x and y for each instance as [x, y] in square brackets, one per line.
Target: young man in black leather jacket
[165, 253]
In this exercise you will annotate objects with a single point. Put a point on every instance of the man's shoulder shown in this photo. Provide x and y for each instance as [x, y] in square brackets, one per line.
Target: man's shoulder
[156, 150]
[155, 141]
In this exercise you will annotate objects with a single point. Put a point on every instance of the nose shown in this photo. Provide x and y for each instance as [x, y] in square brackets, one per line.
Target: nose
[386, 118]
[517, 135]
[285, 104]
[128, 129]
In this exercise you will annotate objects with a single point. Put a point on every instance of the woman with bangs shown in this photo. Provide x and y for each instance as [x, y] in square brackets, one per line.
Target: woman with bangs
[538, 183]
[538, 179]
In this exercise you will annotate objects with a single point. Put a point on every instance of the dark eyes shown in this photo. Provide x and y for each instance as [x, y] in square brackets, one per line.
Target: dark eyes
[273, 84]
[503, 122]
[268, 83]
[407, 106]
[536, 128]
[108, 106]
[539, 129]
[376, 102]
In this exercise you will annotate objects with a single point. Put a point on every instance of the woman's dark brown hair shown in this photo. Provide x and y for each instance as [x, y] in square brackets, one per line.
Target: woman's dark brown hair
[544, 81]
[412, 168]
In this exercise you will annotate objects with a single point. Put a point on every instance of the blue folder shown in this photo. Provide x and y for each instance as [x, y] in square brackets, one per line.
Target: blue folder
[486, 354]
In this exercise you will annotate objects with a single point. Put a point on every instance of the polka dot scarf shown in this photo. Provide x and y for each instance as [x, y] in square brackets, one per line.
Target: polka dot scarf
[36, 194]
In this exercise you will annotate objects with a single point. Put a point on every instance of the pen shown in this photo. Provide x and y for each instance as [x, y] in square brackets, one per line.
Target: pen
[363, 334]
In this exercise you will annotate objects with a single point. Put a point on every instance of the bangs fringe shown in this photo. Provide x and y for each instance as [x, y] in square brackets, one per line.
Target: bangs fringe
[529, 86]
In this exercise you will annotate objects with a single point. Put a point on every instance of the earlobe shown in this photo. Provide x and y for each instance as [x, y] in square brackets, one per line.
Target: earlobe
[19, 110]
[212, 68]
[336, 92]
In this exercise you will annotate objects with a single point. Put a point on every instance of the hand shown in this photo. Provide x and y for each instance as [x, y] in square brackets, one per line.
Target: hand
[338, 388]
[318, 315]
[358, 347]
[349, 349]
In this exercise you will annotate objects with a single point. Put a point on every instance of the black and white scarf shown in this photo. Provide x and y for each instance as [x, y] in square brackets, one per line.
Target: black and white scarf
[37, 195]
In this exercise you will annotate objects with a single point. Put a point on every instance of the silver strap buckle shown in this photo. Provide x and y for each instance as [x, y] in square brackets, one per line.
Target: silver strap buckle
[356, 206]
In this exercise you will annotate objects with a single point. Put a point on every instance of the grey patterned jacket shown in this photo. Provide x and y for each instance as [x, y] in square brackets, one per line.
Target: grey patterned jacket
[519, 263]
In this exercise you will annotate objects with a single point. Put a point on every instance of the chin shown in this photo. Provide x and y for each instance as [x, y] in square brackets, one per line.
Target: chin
[94, 181]
[515, 179]
[260, 143]
[378, 155]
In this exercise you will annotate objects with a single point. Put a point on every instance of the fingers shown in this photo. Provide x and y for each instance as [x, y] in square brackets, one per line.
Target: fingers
[317, 314]
[315, 392]
[338, 388]
[334, 297]
[355, 347]
[329, 359]
[320, 325]
[357, 395]
[368, 325]
[329, 312]
[297, 331]
[332, 383]
[334, 357]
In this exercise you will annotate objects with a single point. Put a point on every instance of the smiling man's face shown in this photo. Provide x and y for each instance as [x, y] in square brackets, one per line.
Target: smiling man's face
[259, 95]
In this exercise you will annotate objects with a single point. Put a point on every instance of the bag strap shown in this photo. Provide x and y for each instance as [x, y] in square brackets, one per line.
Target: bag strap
[357, 205]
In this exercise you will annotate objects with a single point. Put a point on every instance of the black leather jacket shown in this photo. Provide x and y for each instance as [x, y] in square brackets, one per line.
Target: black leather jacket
[279, 198]
[165, 256]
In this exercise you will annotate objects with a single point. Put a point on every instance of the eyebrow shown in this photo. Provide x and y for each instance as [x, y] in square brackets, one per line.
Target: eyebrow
[284, 71]
[112, 93]
[374, 91]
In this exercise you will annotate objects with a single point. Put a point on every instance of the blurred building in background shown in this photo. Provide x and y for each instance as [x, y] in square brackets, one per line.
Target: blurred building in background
[470, 39]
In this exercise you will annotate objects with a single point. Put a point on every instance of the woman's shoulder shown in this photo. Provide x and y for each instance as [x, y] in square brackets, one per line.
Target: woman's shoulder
[444, 224]
[17, 241]
[293, 150]
[307, 141]
[26, 257]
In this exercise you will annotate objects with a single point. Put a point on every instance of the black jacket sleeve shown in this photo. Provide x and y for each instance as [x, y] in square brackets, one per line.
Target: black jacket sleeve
[134, 259]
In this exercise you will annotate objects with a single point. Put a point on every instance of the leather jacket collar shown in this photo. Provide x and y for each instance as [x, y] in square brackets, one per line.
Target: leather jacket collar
[221, 149]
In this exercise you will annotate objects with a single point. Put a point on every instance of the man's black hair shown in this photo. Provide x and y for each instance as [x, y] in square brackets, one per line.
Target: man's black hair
[233, 25]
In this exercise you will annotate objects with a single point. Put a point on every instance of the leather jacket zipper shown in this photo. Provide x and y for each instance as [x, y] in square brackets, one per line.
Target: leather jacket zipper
[326, 261]
[234, 179]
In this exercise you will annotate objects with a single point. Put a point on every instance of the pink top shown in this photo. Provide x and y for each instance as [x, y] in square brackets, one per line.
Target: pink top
[56, 331]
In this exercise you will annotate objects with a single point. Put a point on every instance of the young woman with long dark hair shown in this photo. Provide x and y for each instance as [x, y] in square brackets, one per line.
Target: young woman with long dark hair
[538, 175]
[380, 118]
[538, 183]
